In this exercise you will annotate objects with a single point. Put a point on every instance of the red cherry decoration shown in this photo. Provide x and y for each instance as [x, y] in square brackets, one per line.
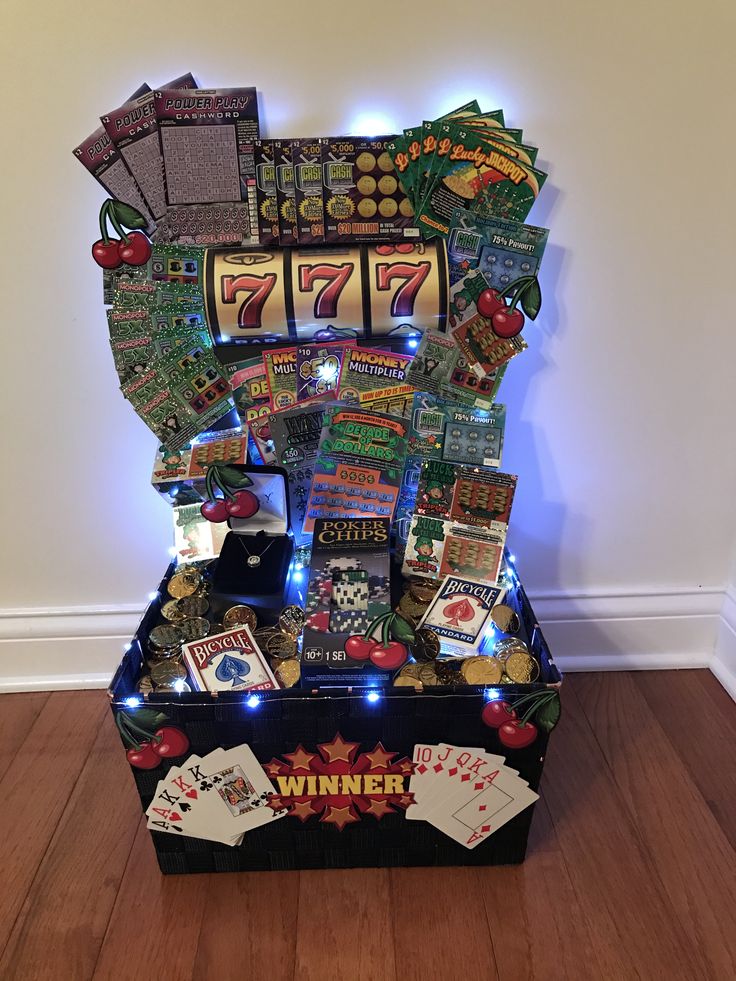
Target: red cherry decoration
[489, 302]
[385, 249]
[495, 713]
[215, 511]
[517, 734]
[404, 248]
[136, 251]
[507, 322]
[106, 254]
[360, 648]
[389, 656]
[244, 505]
[170, 741]
[144, 758]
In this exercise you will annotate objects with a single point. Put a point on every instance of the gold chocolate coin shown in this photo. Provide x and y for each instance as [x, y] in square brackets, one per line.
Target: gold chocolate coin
[184, 583]
[145, 685]
[412, 607]
[428, 674]
[481, 670]
[503, 648]
[240, 616]
[292, 620]
[281, 645]
[407, 681]
[178, 686]
[216, 628]
[164, 637]
[423, 590]
[385, 163]
[167, 673]
[288, 672]
[412, 670]
[521, 668]
[170, 611]
[426, 641]
[505, 618]
[194, 628]
[193, 606]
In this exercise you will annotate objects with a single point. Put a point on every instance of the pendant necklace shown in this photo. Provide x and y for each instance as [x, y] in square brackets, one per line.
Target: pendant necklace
[253, 561]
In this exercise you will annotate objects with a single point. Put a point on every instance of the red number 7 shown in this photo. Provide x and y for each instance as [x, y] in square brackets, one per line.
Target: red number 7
[325, 304]
[259, 287]
[402, 304]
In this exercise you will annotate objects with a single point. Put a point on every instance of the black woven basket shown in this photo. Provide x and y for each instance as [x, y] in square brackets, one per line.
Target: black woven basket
[281, 720]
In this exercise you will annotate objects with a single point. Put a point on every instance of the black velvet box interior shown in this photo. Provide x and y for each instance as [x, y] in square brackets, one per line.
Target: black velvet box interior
[266, 535]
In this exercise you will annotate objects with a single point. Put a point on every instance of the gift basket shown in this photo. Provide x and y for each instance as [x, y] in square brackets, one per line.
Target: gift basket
[340, 666]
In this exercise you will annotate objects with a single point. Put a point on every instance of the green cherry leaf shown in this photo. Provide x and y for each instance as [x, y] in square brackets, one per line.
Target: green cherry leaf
[549, 714]
[146, 718]
[127, 215]
[231, 476]
[531, 300]
[401, 630]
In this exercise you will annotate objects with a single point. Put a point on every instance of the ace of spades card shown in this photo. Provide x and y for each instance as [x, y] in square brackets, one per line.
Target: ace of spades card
[219, 797]
[461, 611]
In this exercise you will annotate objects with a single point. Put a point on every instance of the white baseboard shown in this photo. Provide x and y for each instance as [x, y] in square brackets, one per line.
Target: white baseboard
[44, 649]
[723, 665]
[80, 647]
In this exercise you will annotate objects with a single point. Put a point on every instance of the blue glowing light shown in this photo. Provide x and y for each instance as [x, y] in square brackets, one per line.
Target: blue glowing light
[512, 559]
[492, 694]
[253, 702]
[372, 124]
[174, 491]
[372, 697]
[224, 338]
[173, 551]
[152, 597]
[133, 701]
[412, 342]
[298, 575]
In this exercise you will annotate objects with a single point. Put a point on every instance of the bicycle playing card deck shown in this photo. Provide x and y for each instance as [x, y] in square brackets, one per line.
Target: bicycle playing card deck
[229, 661]
[219, 797]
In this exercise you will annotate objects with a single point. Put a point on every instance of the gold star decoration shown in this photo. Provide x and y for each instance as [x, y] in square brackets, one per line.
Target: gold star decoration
[406, 767]
[379, 757]
[302, 809]
[274, 768]
[339, 816]
[405, 800]
[338, 749]
[301, 759]
[378, 808]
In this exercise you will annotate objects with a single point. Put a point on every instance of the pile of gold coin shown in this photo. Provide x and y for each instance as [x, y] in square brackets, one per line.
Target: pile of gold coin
[517, 663]
[429, 674]
[279, 644]
[418, 594]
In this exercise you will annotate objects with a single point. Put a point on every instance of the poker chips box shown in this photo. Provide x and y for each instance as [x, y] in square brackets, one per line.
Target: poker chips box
[333, 728]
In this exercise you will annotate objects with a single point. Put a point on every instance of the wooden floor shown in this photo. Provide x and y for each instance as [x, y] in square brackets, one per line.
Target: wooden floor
[630, 873]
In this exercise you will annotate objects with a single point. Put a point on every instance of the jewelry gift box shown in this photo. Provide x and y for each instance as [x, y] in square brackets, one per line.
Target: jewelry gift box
[254, 562]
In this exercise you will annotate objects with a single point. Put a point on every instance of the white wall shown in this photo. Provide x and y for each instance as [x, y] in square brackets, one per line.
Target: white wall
[621, 416]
